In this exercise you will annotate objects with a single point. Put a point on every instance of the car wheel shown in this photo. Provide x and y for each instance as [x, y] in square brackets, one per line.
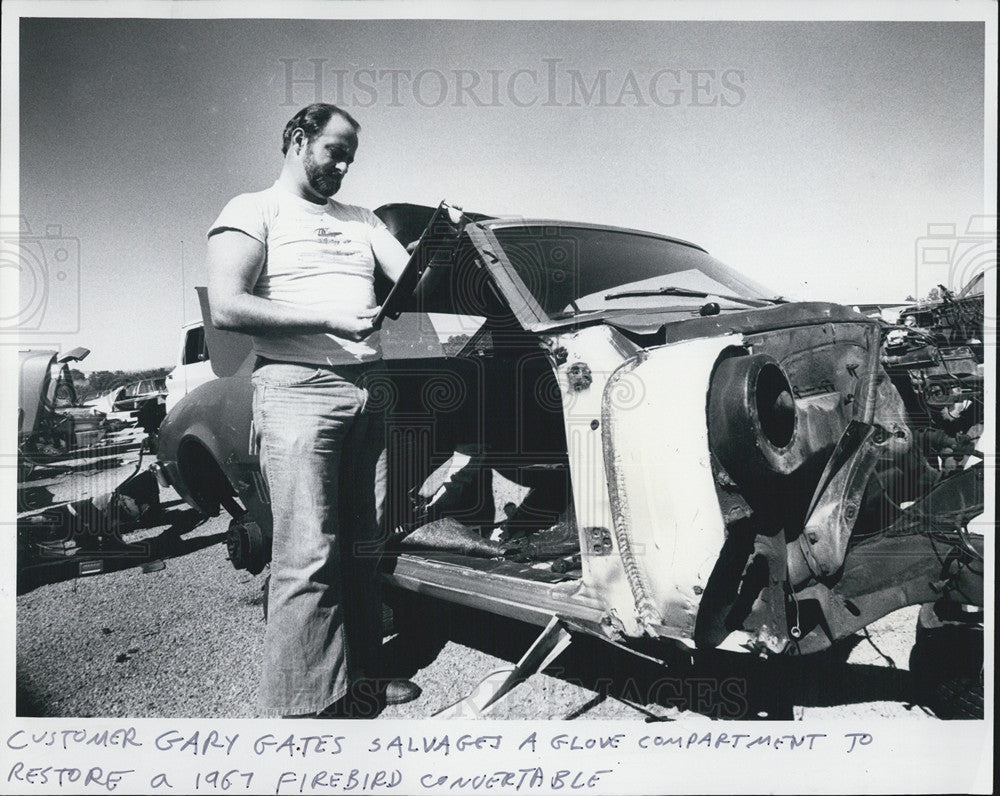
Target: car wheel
[946, 664]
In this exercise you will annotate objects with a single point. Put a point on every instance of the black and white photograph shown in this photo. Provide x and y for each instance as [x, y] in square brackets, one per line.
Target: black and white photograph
[507, 397]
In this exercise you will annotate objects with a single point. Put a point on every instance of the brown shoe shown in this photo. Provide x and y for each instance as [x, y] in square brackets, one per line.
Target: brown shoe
[398, 692]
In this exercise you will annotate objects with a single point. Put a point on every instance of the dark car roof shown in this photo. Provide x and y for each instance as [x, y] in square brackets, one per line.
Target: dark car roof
[502, 223]
[407, 222]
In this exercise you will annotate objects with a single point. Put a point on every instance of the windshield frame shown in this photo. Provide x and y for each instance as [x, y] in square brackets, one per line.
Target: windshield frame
[526, 307]
[523, 303]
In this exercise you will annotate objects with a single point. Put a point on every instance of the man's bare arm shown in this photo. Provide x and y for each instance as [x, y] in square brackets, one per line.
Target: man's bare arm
[234, 263]
[389, 253]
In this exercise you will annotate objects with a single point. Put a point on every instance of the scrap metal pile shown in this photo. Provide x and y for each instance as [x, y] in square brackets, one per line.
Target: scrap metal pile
[940, 378]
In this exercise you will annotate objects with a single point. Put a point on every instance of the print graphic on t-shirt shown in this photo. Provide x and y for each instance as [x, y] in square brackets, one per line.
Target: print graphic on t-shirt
[335, 243]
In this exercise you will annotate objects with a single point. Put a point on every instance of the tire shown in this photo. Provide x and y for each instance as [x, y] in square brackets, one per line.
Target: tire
[946, 664]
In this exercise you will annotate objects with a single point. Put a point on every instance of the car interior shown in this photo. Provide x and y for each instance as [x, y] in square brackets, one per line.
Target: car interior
[465, 488]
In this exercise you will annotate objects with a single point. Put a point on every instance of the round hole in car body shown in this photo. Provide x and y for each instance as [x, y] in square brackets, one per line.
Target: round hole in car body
[774, 404]
[751, 419]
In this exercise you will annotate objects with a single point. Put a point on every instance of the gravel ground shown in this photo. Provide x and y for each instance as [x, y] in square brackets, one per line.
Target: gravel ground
[184, 639]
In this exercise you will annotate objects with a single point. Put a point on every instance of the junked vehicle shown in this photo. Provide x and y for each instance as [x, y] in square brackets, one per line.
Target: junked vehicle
[134, 395]
[50, 420]
[684, 457]
[954, 318]
[193, 367]
[938, 370]
[141, 403]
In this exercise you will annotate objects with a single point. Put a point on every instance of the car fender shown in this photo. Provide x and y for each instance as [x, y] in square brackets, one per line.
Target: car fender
[216, 417]
[190, 479]
[668, 526]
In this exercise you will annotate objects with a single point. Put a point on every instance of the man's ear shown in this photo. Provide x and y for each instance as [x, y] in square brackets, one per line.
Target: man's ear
[298, 138]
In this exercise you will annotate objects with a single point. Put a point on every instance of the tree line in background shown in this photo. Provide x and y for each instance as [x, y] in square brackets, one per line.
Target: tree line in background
[933, 296]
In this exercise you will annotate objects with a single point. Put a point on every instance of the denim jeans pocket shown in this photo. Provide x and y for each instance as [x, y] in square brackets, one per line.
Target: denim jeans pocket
[284, 374]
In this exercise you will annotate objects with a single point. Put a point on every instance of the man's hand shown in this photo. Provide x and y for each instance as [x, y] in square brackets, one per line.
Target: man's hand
[352, 326]
[234, 263]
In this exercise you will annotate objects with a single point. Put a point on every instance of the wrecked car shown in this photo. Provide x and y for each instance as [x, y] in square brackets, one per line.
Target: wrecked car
[606, 431]
[938, 371]
[133, 396]
[50, 420]
[954, 318]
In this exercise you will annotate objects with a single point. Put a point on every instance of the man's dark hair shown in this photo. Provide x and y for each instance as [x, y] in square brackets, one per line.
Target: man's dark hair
[312, 119]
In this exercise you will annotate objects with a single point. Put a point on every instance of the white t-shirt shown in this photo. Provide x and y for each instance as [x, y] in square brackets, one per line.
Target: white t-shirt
[317, 256]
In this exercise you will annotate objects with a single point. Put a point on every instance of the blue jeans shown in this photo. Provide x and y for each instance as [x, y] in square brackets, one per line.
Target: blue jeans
[322, 452]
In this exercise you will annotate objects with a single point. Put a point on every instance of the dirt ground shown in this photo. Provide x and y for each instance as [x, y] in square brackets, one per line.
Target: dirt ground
[164, 626]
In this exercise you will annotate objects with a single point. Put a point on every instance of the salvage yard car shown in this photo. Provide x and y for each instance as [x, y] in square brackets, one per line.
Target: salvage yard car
[134, 395]
[193, 367]
[953, 318]
[51, 422]
[611, 432]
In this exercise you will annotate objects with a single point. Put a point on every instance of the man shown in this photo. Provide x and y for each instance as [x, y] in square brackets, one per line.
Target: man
[295, 269]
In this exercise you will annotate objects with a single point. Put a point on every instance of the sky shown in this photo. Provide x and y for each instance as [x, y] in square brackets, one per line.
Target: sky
[811, 156]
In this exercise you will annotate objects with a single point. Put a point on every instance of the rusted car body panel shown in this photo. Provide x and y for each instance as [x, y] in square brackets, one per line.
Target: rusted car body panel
[713, 448]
